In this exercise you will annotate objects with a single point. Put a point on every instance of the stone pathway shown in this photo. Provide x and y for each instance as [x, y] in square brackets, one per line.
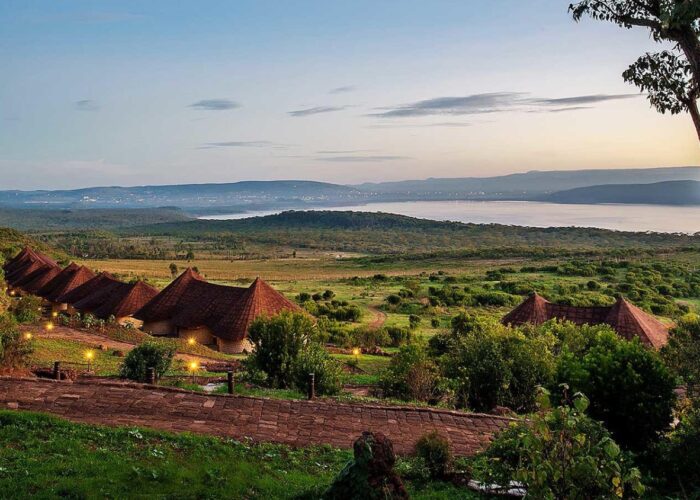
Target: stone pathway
[297, 423]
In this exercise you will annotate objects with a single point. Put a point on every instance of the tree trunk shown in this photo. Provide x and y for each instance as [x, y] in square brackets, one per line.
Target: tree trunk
[695, 115]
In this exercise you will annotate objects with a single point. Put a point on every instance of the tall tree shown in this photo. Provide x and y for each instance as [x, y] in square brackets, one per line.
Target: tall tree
[671, 78]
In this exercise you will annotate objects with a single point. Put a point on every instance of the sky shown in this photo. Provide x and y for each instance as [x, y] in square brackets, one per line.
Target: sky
[163, 92]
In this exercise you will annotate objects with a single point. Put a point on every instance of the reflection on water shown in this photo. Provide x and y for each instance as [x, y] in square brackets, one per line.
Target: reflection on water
[657, 218]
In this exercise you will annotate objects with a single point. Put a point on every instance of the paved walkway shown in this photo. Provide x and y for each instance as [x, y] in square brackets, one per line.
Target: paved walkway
[297, 423]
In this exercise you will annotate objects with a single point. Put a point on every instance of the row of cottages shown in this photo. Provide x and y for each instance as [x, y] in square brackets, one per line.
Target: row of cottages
[190, 307]
[75, 288]
[625, 318]
[217, 315]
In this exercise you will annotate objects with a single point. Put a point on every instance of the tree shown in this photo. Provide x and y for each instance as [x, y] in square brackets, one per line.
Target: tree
[562, 454]
[278, 342]
[15, 348]
[670, 78]
[173, 269]
[631, 389]
[411, 375]
[682, 353]
[328, 375]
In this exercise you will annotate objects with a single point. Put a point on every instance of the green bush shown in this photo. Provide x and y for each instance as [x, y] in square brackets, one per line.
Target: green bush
[682, 353]
[27, 309]
[399, 336]
[370, 337]
[434, 450]
[631, 389]
[150, 354]
[492, 365]
[412, 376]
[562, 454]
[15, 348]
[414, 321]
[278, 341]
[328, 374]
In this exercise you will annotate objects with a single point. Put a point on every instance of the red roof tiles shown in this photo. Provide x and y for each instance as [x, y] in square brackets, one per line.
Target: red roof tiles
[627, 320]
[70, 278]
[125, 300]
[190, 302]
[88, 288]
[25, 257]
[99, 296]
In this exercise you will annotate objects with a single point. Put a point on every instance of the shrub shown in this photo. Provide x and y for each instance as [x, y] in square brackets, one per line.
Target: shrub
[303, 297]
[435, 323]
[492, 365]
[393, 299]
[411, 375]
[434, 449]
[327, 371]
[150, 354]
[328, 294]
[563, 454]
[15, 349]
[370, 337]
[28, 309]
[414, 321]
[630, 388]
[399, 336]
[278, 341]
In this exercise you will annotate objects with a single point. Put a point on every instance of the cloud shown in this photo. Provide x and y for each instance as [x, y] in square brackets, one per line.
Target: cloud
[343, 90]
[86, 105]
[421, 125]
[237, 144]
[344, 152]
[362, 159]
[315, 111]
[215, 104]
[493, 102]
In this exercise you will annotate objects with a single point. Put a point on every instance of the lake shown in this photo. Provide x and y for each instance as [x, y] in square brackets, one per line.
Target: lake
[658, 218]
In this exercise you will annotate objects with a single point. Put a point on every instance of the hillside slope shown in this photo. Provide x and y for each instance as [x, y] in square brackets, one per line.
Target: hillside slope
[683, 192]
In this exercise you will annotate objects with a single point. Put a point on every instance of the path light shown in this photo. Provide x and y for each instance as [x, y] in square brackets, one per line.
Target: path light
[27, 336]
[89, 355]
[193, 366]
[356, 353]
[54, 314]
[48, 326]
[191, 341]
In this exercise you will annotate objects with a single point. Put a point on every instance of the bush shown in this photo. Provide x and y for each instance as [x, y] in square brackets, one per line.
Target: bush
[414, 321]
[370, 337]
[434, 449]
[630, 388]
[278, 341]
[28, 309]
[412, 376]
[393, 299]
[399, 336]
[327, 372]
[562, 454]
[492, 365]
[150, 354]
[15, 349]
[682, 353]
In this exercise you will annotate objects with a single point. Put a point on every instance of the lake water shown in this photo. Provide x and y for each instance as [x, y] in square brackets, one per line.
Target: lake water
[665, 219]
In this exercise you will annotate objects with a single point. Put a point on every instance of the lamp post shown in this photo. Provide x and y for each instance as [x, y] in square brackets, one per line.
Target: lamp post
[356, 353]
[28, 336]
[193, 368]
[191, 341]
[89, 355]
[49, 326]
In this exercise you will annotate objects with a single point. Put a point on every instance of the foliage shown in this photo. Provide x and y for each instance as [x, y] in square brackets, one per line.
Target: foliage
[278, 341]
[434, 449]
[493, 365]
[327, 372]
[630, 387]
[682, 353]
[15, 349]
[150, 354]
[677, 456]
[370, 338]
[671, 79]
[563, 454]
[399, 336]
[27, 309]
[412, 376]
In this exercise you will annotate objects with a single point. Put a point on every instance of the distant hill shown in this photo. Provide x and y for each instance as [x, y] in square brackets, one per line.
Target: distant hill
[243, 196]
[237, 195]
[525, 185]
[658, 193]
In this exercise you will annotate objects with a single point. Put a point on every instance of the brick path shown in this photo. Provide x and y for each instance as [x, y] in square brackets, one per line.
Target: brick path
[296, 423]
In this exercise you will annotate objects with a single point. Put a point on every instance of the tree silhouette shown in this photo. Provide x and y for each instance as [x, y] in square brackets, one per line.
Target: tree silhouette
[670, 78]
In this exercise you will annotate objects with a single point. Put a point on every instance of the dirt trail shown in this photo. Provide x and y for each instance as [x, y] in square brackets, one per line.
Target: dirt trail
[67, 333]
[379, 317]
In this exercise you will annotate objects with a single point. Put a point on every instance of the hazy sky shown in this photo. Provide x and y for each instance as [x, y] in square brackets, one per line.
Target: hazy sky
[158, 91]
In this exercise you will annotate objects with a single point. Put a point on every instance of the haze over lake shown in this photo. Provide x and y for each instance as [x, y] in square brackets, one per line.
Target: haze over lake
[658, 218]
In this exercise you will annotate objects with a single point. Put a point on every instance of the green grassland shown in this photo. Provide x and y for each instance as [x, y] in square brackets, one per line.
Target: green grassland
[46, 457]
